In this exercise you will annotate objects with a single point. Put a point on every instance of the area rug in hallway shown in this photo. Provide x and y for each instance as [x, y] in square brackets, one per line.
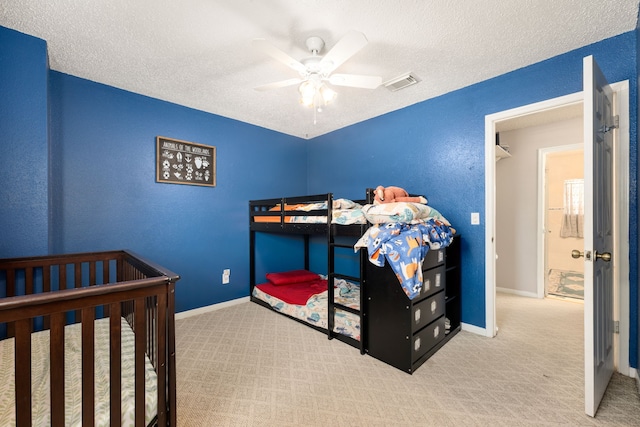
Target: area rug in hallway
[565, 283]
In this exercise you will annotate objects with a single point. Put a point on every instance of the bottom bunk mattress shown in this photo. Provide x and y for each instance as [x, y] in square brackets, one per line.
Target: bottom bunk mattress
[40, 377]
[309, 301]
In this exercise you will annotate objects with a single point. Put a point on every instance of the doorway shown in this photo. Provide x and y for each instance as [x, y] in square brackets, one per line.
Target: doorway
[519, 196]
[561, 217]
[539, 111]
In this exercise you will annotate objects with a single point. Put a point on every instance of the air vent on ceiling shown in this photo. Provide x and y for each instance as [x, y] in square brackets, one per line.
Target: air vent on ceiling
[401, 82]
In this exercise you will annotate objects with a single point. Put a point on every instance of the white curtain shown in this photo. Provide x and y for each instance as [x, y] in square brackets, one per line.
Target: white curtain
[573, 217]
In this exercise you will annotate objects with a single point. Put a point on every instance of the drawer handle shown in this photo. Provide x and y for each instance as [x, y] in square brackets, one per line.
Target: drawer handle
[434, 306]
[416, 344]
[438, 280]
[440, 256]
[417, 316]
[436, 331]
[427, 285]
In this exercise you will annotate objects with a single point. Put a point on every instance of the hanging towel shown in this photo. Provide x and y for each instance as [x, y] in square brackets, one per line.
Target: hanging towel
[573, 216]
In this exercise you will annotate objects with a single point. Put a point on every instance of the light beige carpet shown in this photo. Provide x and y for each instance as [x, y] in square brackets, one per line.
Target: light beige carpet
[247, 366]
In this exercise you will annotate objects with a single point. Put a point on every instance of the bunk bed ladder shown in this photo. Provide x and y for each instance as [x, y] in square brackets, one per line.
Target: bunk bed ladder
[331, 276]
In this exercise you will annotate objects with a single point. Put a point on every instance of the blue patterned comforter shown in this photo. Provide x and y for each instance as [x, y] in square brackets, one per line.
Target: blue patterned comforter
[404, 246]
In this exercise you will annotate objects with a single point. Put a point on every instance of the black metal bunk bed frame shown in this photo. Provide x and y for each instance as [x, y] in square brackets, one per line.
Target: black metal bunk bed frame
[332, 231]
[404, 333]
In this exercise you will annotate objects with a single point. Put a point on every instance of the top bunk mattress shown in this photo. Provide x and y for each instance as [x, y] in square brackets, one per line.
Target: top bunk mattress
[305, 210]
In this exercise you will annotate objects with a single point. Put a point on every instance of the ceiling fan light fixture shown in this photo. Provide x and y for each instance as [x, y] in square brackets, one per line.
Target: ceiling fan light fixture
[307, 89]
[315, 93]
[328, 94]
[307, 101]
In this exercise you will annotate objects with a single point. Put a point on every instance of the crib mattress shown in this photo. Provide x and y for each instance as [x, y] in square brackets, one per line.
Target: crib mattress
[314, 312]
[40, 376]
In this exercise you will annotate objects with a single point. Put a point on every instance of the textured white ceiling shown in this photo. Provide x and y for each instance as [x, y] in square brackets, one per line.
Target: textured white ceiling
[198, 53]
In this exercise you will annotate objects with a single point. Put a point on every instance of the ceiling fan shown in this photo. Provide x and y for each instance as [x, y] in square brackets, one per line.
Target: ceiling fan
[317, 70]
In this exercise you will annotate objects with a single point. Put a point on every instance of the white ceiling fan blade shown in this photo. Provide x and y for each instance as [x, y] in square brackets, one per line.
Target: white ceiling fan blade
[346, 47]
[276, 85]
[355, 80]
[279, 55]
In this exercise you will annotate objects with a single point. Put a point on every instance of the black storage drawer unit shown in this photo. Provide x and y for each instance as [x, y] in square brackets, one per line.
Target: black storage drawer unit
[432, 281]
[428, 310]
[427, 338]
[434, 258]
[405, 333]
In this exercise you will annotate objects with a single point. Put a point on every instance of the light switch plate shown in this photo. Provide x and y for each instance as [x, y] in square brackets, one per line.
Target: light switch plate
[475, 218]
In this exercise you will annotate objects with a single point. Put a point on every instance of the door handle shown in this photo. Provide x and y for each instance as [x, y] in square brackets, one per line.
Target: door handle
[577, 254]
[605, 256]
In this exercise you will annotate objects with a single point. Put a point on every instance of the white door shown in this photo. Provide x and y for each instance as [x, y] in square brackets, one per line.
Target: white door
[598, 244]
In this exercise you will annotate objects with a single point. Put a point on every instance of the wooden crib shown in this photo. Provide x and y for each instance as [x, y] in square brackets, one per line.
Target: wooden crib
[131, 298]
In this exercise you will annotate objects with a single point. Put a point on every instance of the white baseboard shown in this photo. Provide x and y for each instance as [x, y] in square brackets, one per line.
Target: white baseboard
[516, 292]
[208, 308]
[474, 329]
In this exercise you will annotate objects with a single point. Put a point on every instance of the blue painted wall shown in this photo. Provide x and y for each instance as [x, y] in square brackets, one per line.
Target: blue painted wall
[107, 197]
[436, 147]
[24, 164]
[100, 191]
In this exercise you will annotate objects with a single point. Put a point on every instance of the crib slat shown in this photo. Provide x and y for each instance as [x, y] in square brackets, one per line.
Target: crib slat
[11, 291]
[161, 364]
[88, 356]
[115, 356]
[105, 271]
[77, 279]
[46, 287]
[150, 312]
[57, 369]
[28, 281]
[92, 273]
[23, 371]
[62, 276]
[171, 351]
[11, 282]
[46, 278]
[105, 279]
[139, 359]
[120, 277]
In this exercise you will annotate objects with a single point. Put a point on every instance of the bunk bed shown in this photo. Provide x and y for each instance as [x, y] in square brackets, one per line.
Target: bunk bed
[381, 317]
[87, 339]
[334, 310]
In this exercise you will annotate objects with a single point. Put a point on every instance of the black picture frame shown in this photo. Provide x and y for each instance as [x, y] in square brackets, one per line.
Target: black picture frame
[183, 162]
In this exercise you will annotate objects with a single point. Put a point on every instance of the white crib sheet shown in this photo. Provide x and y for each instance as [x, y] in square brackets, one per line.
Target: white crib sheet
[40, 376]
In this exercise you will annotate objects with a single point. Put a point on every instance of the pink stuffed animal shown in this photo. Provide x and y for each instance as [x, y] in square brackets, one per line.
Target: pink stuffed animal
[395, 194]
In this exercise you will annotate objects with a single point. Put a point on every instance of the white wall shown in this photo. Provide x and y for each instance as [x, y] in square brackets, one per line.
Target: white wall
[516, 201]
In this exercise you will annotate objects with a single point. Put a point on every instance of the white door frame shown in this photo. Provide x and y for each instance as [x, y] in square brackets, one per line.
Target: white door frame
[542, 230]
[621, 217]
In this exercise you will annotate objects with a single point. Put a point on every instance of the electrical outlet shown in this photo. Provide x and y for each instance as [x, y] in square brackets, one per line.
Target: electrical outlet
[226, 275]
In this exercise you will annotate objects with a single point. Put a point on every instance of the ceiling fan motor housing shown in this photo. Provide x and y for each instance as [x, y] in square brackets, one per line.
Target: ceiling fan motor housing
[317, 69]
[314, 44]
